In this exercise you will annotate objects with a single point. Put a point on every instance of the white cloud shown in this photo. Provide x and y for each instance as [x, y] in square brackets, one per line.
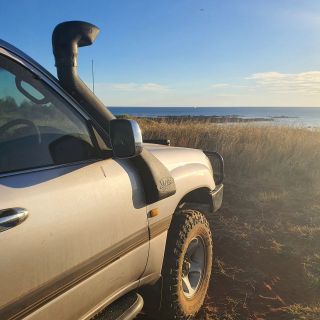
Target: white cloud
[259, 89]
[132, 86]
[220, 85]
[227, 86]
[305, 82]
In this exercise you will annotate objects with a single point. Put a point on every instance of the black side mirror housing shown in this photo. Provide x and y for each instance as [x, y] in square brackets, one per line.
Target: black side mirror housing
[126, 138]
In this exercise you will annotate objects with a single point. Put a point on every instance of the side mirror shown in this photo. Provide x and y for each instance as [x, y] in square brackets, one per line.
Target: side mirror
[126, 138]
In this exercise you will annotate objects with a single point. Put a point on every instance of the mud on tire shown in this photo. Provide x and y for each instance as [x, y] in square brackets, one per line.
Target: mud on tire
[188, 250]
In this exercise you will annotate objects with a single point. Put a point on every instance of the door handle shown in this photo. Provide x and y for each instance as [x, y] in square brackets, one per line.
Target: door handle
[11, 217]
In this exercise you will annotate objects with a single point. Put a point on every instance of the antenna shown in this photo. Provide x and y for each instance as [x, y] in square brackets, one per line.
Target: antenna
[92, 72]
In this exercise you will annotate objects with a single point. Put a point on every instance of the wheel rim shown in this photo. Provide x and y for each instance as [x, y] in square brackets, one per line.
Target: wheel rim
[193, 267]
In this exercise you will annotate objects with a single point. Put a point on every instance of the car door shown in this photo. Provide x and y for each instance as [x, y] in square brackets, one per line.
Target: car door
[73, 225]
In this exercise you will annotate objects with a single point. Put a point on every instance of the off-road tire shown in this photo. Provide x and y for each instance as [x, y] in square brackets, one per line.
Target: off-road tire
[185, 226]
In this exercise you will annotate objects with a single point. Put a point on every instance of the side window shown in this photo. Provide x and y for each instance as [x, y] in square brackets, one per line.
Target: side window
[37, 127]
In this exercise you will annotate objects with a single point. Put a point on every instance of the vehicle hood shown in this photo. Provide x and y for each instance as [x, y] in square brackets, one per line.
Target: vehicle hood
[175, 157]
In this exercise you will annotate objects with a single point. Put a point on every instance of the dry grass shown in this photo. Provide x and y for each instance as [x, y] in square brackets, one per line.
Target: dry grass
[250, 150]
[267, 235]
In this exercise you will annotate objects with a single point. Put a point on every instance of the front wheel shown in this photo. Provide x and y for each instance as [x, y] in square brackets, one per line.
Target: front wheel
[187, 265]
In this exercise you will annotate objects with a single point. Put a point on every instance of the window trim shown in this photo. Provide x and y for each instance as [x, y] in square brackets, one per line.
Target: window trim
[53, 85]
[71, 102]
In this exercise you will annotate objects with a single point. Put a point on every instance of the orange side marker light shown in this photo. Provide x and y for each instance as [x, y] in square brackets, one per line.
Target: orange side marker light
[154, 212]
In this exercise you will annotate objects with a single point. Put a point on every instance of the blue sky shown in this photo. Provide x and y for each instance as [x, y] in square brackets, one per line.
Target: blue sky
[184, 52]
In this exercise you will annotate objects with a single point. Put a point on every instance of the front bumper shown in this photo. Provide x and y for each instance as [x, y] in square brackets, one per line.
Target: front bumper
[217, 196]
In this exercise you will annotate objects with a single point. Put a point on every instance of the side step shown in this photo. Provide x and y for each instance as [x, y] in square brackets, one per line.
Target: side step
[125, 308]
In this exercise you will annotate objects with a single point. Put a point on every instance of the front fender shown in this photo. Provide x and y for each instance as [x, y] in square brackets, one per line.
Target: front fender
[188, 177]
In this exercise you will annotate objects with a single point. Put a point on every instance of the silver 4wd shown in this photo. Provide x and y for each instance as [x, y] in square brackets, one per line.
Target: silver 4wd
[93, 221]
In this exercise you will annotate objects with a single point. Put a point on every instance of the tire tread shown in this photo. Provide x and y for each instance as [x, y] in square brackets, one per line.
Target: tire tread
[183, 222]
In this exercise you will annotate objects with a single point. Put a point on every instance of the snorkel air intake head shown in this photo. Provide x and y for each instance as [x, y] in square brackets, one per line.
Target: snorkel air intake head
[67, 37]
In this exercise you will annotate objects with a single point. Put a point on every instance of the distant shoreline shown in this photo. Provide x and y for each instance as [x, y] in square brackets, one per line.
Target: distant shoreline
[204, 119]
[303, 117]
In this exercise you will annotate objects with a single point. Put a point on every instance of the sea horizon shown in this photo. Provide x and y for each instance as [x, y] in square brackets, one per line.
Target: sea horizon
[292, 116]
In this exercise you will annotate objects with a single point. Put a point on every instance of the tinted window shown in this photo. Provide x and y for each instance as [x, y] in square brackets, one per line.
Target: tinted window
[37, 127]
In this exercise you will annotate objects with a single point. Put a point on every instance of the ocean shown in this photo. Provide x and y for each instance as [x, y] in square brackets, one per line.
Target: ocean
[298, 116]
